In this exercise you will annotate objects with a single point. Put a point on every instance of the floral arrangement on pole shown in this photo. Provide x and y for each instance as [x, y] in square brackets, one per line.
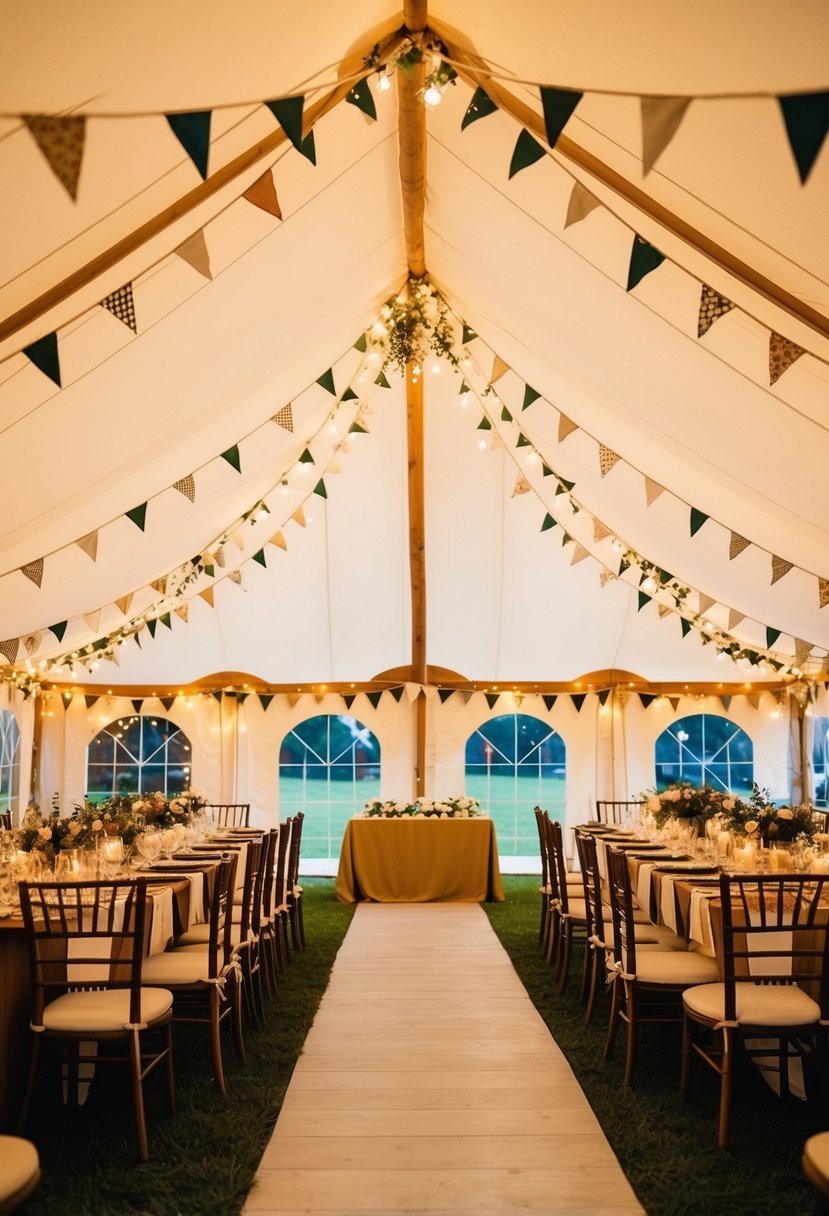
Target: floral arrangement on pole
[413, 324]
[686, 801]
[424, 808]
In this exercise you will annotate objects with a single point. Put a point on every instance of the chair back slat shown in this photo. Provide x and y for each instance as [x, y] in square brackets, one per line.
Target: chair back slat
[542, 845]
[283, 849]
[558, 864]
[296, 843]
[621, 907]
[229, 814]
[269, 874]
[610, 811]
[592, 884]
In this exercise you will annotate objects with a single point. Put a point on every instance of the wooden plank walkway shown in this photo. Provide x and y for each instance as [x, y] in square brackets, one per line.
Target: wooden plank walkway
[430, 1084]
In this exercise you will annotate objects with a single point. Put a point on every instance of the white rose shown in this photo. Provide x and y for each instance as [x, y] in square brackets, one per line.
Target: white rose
[44, 833]
[97, 825]
[785, 812]
[654, 804]
[728, 804]
[74, 828]
[444, 815]
[751, 826]
[400, 807]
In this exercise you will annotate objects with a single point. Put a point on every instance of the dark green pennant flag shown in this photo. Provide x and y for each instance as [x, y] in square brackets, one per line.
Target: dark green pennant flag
[349, 395]
[59, 630]
[193, 133]
[90, 701]
[464, 388]
[137, 705]
[549, 700]
[308, 148]
[546, 471]
[643, 259]
[152, 625]
[320, 489]
[306, 457]
[698, 518]
[233, 458]
[484, 425]
[530, 395]
[647, 698]
[326, 381]
[265, 699]
[241, 697]
[361, 96]
[806, 116]
[137, 640]
[480, 105]
[726, 702]
[686, 626]
[506, 416]
[397, 693]
[165, 620]
[381, 381]
[217, 694]
[374, 697]
[578, 700]
[771, 636]
[361, 344]
[527, 151]
[523, 441]
[467, 335]
[349, 699]
[288, 113]
[357, 428]
[664, 577]
[138, 515]
[445, 694]
[624, 564]
[549, 522]
[644, 598]
[260, 557]
[209, 570]
[492, 699]
[603, 695]
[558, 105]
[44, 354]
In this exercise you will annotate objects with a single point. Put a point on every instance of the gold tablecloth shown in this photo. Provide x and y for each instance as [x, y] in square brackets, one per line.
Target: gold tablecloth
[419, 860]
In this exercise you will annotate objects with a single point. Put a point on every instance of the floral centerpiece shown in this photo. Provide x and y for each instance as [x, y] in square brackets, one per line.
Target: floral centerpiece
[424, 808]
[685, 801]
[761, 819]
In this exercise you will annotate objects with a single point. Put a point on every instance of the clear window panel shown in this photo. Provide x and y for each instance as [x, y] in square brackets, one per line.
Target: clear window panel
[138, 753]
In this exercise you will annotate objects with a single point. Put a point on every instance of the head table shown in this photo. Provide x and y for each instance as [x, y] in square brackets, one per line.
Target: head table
[417, 860]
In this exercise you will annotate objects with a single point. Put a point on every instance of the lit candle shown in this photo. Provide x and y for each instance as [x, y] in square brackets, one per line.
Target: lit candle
[744, 856]
[722, 843]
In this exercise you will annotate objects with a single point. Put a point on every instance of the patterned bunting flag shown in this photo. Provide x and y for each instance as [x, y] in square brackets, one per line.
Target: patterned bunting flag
[711, 306]
[284, 417]
[193, 251]
[61, 141]
[499, 368]
[235, 576]
[122, 305]
[779, 567]
[9, 649]
[186, 486]
[495, 442]
[159, 585]
[263, 194]
[581, 203]
[753, 699]
[607, 459]
[652, 491]
[522, 486]
[823, 592]
[182, 611]
[736, 545]
[802, 650]
[782, 354]
[661, 117]
[334, 465]
[34, 571]
[89, 544]
[31, 642]
[663, 610]
[565, 427]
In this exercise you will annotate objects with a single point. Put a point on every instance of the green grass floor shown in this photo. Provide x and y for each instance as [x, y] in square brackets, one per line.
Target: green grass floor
[666, 1147]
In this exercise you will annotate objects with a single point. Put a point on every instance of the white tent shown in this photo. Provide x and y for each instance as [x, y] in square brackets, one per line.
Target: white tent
[682, 466]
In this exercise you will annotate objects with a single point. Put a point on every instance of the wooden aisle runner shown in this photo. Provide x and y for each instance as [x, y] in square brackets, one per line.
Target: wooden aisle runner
[429, 1083]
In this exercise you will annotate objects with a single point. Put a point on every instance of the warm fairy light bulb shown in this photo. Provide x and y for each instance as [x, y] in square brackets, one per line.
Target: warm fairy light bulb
[432, 96]
[332, 429]
[649, 585]
[379, 328]
[384, 84]
[482, 444]
[436, 368]
[464, 400]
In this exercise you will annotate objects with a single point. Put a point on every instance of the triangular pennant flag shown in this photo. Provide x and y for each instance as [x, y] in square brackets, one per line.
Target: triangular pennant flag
[186, 486]
[263, 195]
[480, 105]
[644, 598]
[663, 610]
[735, 618]
[306, 457]
[288, 113]
[362, 97]
[522, 486]
[334, 465]
[284, 417]
[771, 636]
[349, 699]
[361, 345]
[165, 620]
[326, 380]
[674, 703]
[159, 585]
[530, 395]
[607, 459]
[34, 571]
[484, 424]
[698, 518]
[279, 540]
[726, 702]
[9, 649]
[90, 700]
[308, 148]
[89, 544]
[578, 700]
[736, 545]
[61, 141]
[412, 691]
[495, 442]
[93, 620]
[527, 151]
[122, 305]
[193, 251]
[219, 557]
[823, 592]
[711, 306]
[523, 441]
[806, 116]
[445, 694]
[44, 354]
[137, 705]
[652, 491]
[357, 428]
[581, 203]
[661, 117]
[138, 515]
[565, 427]
[606, 577]
[182, 611]
[779, 567]
[579, 554]
[558, 106]
[492, 699]
[782, 354]
[233, 458]
[753, 699]
[32, 641]
[685, 625]
[549, 522]
[644, 258]
[259, 556]
[382, 381]
[705, 602]
[235, 576]
[467, 334]
[802, 650]
[169, 702]
[299, 516]
[208, 594]
[647, 698]
[549, 700]
[193, 133]
[603, 695]
[59, 630]
[499, 368]
[600, 532]
[374, 697]
[265, 699]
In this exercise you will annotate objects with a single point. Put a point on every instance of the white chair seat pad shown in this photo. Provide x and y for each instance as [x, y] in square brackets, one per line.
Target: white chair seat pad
[19, 1165]
[757, 1004]
[178, 967]
[104, 1012]
[659, 934]
[674, 967]
[816, 1152]
[577, 909]
[199, 935]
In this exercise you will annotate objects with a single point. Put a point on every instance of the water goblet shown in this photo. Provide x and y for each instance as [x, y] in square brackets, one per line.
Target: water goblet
[111, 856]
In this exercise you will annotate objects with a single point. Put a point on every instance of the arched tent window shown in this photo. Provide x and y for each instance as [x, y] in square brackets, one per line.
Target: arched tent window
[705, 749]
[820, 760]
[9, 761]
[329, 766]
[138, 754]
[514, 763]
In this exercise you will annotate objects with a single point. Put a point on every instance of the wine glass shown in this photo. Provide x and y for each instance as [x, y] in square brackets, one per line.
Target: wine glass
[112, 854]
[151, 846]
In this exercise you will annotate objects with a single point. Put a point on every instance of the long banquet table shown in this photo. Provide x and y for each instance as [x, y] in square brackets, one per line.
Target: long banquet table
[412, 860]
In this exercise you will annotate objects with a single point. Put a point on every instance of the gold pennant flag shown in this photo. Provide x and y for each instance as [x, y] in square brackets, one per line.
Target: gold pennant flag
[182, 611]
[235, 576]
[663, 610]
[753, 699]
[581, 203]
[782, 354]
[186, 486]
[579, 554]
[600, 532]
[495, 442]
[193, 251]
[674, 702]
[32, 642]
[499, 368]
[219, 557]
[705, 602]
[652, 491]
[661, 117]
[123, 604]
[284, 417]
[736, 545]
[565, 427]
[294, 698]
[279, 540]
[34, 571]
[607, 459]
[159, 585]
[299, 516]
[89, 544]
[263, 194]
[334, 465]
[522, 486]
[823, 592]
[779, 567]
[606, 577]
[9, 649]
[207, 594]
[802, 650]
[61, 141]
[735, 618]
[93, 620]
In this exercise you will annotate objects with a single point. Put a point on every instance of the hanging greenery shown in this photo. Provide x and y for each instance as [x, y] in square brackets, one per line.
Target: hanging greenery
[412, 324]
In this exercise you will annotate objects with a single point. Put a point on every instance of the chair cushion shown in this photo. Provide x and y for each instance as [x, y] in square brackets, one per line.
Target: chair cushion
[659, 934]
[674, 967]
[576, 907]
[19, 1165]
[177, 967]
[757, 1004]
[199, 935]
[815, 1152]
[105, 1012]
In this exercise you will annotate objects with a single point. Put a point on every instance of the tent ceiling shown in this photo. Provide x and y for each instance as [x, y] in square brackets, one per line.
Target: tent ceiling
[218, 353]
